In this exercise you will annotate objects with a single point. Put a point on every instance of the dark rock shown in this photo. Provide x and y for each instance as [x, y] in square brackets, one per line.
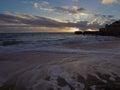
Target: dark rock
[109, 30]
[12, 87]
[62, 82]
[51, 89]
[92, 80]
[47, 78]
[103, 76]
[78, 32]
[80, 78]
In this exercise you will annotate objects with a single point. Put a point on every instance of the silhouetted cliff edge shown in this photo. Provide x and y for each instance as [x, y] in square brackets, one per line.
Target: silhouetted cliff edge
[109, 30]
[112, 29]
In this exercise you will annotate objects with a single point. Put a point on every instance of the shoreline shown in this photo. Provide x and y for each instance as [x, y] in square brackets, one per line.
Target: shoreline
[42, 69]
[96, 45]
[110, 48]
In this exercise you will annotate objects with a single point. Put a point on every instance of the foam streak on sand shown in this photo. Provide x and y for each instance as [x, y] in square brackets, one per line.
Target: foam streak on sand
[71, 68]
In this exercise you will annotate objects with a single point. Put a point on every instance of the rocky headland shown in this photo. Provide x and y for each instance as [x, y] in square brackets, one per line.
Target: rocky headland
[109, 30]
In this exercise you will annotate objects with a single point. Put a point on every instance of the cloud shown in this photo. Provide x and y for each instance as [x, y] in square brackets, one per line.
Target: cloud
[73, 10]
[97, 23]
[33, 29]
[24, 22]
[100, 20]
[27, 20]
[36, 5]
[104, 16]
[105, 2]
[19, 20]
[41, 4]
[44, 6]
[45, 3]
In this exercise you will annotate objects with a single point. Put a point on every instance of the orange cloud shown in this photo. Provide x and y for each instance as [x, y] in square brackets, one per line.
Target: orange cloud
[109, 1]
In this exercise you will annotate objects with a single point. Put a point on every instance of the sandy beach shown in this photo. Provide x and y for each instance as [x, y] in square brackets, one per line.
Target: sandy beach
[45, 70]
[59, 44]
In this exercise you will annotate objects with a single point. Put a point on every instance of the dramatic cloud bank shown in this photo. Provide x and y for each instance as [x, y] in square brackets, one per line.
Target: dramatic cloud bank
[27, 20]
[24, 22]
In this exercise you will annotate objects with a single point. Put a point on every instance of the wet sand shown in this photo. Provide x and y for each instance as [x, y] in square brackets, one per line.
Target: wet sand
[11, 62]
[103, 45]
[43, 70]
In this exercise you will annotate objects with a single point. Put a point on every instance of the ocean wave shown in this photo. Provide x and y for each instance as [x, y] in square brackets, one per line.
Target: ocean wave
[41, 41]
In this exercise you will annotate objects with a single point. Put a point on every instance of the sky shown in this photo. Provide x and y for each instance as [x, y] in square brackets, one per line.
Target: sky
[56, 15]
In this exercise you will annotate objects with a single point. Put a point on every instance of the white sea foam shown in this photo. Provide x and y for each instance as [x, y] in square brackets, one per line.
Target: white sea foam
[40, 76]
[42, 41]
[45, 77]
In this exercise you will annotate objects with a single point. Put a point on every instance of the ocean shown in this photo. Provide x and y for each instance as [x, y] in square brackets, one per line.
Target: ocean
[51, 61]
[14, 42]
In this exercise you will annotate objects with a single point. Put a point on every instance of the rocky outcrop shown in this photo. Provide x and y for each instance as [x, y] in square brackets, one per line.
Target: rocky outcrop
[78, 32]
[112, 29]
[109, 30]
[87, 32]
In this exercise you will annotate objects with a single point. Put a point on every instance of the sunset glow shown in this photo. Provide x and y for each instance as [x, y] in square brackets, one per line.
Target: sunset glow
[57, 15]
[92, 30]
[59, 44]
[73, 29]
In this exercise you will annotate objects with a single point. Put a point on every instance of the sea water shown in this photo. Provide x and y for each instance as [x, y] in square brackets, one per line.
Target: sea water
[31, 75]
[14, 42]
